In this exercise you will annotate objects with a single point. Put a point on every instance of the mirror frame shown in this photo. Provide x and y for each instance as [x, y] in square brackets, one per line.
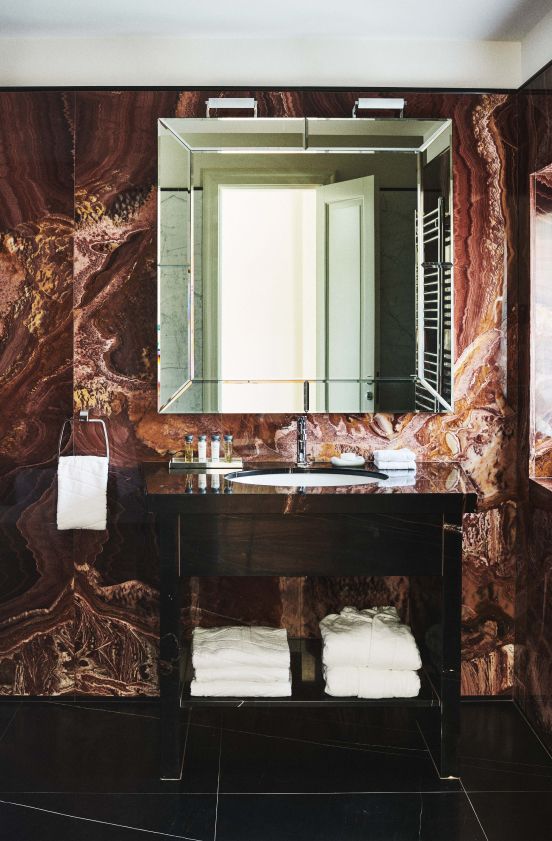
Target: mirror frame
[300, 135]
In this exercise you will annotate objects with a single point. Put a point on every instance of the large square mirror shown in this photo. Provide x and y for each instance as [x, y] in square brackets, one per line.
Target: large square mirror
[305, 265]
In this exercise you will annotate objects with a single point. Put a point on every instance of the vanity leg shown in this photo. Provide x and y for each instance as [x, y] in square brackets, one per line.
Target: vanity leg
[451, 646]
[168, 533]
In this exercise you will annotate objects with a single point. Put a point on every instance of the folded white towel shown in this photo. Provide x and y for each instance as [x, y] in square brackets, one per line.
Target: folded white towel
[395, 465]
[241, 646]
[363, 682]
[82, 492]
[241, 688]
[373, 637]
[403, 454]
[255, 674]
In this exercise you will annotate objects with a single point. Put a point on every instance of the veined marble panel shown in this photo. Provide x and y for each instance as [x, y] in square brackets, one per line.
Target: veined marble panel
[111, 282]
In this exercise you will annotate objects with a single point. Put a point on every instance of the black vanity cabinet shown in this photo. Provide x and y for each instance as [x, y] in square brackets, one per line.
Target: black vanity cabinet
[208, 528]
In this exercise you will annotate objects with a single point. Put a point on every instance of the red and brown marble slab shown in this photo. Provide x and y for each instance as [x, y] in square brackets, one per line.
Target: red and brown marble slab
[116, 597]
[533, 660]
[37, 588]
[36, 272]
[533, 625]
[36, 357]
[111, 280]
[115, 371]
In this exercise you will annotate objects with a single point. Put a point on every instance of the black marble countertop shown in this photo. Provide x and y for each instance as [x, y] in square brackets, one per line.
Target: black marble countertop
[431, 479]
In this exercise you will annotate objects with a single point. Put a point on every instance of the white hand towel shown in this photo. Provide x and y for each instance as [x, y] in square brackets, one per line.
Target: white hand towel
[240, 688]
[373, 637]
[395, 465]
[82, 492]
[240, 646]
[363, 682]
[403, 454]
[254, 674]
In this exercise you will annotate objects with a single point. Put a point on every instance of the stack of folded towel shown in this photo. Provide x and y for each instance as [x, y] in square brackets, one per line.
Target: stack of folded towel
[369, 654]
[241, 662]
[403, 459]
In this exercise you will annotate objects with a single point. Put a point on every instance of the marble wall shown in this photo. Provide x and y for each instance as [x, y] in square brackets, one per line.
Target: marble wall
[540, 196]
[533, 656]
[78, 310]
[36, 355]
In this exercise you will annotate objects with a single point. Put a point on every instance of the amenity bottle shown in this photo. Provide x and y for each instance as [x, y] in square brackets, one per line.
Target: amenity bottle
[228, 447]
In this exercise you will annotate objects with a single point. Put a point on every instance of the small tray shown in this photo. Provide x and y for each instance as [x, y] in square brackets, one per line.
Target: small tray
[221, 466]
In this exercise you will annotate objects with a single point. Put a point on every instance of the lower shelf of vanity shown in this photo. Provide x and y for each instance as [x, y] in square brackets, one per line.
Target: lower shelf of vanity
[307, 685]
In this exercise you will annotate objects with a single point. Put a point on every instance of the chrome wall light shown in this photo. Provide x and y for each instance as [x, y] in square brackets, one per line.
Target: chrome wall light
[379, 104]
[231, 104]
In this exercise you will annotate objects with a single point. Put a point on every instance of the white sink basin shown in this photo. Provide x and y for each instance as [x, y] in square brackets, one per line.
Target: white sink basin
[306, 478]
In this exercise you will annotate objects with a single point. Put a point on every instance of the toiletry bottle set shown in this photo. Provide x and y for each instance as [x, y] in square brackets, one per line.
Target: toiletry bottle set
[211, 455]
[189, 453]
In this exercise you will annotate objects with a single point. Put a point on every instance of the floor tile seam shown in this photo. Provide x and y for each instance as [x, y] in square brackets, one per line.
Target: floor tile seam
[470, 759]
[427, 747]
[520, 791]
[98, 821]
[9, 724]
[357, 725]
[185, 746]
[420, 815]
[392, 750]
[366, 746]
[477, 818]
[99, 793]
[511, 770]
[360, 748]
[342, 724]
[525, 718]
[261, 733]
[363, 746]
[398, 752]
[88, 708]
[371, 793]
[221, 735]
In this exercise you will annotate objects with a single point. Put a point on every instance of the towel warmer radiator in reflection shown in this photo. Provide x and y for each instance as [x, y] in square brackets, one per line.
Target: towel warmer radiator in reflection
[433, 391]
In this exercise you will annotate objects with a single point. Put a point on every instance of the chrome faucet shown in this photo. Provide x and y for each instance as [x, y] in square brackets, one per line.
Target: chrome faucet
[302, 441]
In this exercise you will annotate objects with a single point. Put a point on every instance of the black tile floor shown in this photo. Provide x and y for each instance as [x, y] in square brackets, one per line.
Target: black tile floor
[89, 772]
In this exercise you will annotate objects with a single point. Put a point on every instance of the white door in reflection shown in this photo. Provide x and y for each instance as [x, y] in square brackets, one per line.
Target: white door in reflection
[296, 283]
[267, 296]
[346, 290]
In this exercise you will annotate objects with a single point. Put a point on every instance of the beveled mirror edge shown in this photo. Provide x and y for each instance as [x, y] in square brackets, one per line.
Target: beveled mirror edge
[167, 126]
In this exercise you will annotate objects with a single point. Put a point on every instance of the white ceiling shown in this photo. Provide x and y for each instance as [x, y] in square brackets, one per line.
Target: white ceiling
[473, 20]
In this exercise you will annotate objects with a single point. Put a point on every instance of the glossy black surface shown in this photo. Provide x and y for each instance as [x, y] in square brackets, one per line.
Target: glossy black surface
[347, 817]
[89, 771]
[70, 748]
[331, 534]
[310, 544]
